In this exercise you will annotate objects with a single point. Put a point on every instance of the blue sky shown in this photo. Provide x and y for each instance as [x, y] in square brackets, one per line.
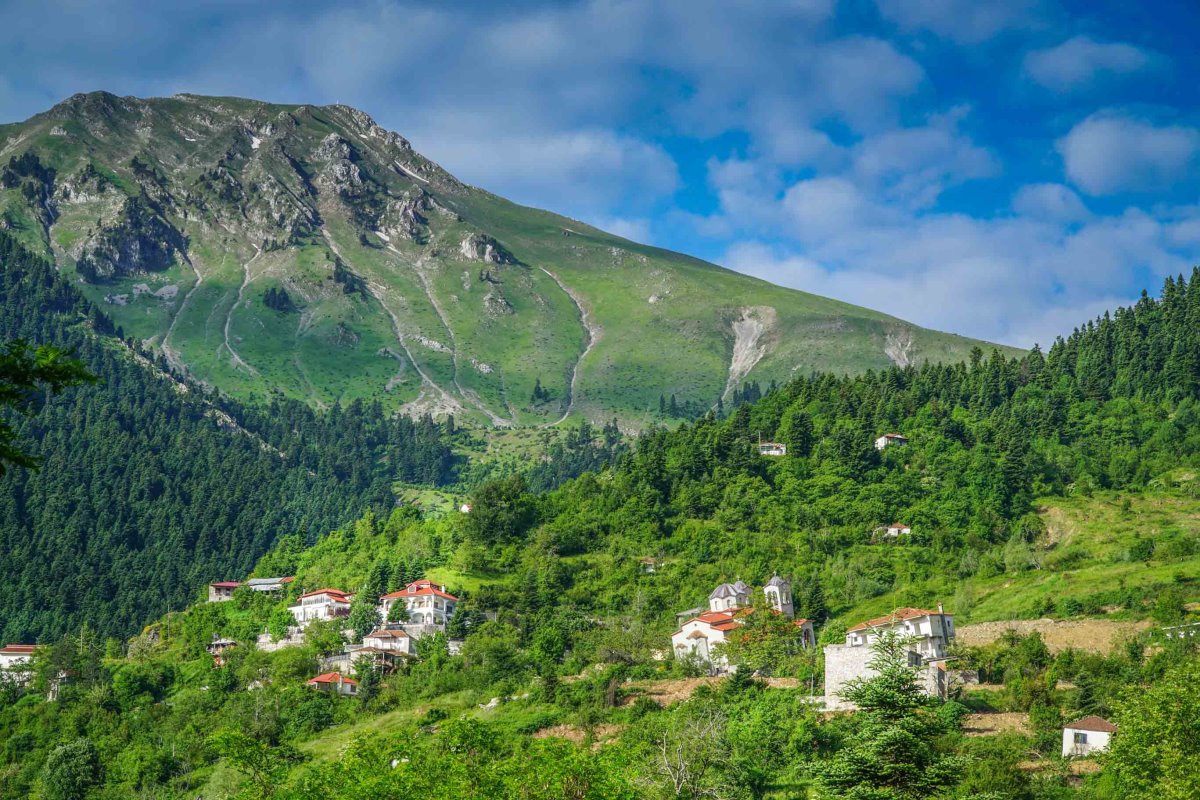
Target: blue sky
[1001, 170]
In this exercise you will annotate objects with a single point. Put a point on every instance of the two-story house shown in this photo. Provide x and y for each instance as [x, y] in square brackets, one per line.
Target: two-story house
[428, 605]
[323, 604]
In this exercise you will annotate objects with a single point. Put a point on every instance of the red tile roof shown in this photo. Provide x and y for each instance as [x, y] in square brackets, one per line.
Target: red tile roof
[899, 615]
[16, 649]
[386, 634]
[421, 589]
[337, 594]
[225, 584]
[1093, 723]
[333, 677]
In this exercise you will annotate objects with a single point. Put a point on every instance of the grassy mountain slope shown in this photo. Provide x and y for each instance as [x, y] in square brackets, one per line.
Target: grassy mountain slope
[402, 284]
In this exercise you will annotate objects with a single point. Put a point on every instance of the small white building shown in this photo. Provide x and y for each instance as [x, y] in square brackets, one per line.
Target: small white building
[220, 591]
[16, 657]
[929, 634]
[1085, 736]
[890, 438]
[772, 449]
[335, 683]
[323, 604]
[778, 592]
[272, 585]
[698, 637]
[429, 606]
[896, 529]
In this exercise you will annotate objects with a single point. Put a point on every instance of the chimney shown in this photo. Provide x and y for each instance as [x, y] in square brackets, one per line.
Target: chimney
[940, 609]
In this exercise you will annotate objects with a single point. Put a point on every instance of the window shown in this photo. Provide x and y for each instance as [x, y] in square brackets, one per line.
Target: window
[1080, 737]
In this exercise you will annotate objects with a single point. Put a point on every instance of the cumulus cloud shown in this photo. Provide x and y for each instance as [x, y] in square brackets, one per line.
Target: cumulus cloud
[1079, 61]
[1051, 201]
[1108, 153]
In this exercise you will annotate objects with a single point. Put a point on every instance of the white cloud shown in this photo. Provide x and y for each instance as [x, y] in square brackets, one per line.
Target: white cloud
[1051, 201]
[1079, 61]
[1109, 153]
[635, 230]
[962, 21]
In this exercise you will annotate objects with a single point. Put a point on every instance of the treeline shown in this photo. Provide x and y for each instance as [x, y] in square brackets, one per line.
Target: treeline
[1112, 406]
[148, 489]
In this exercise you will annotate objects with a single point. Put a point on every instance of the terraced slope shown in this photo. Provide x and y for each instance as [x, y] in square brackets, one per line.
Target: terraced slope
[307, 250]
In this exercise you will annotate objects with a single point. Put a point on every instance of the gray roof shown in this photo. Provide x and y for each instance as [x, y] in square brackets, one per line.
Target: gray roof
[777, 581]
[741, 587]
[263, 581]
[724, 590]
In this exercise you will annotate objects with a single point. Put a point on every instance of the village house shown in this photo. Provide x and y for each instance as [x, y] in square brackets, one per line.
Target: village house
[272, 585]
[221, 591]
[1085, 736]
[335, 683]
[649, 565]
[218, 647]
[429, 607]
[390, 637]
[929, 634]
[896, 529]
[16, 657]
[890, 438]
[772, 449]
[323, 604]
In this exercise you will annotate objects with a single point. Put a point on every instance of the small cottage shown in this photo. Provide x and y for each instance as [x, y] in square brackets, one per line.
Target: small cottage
[897, 529]
[16, 657]
[218, 647]
[335, 683]
[1085, 736]
[889, 439]
[221, 591]
[772, 449]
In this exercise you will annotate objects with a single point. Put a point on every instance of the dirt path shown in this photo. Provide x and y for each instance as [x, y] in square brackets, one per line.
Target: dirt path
[1094, 635]
[172, 356]
[237, 359]
[594, 333]
[992, 724]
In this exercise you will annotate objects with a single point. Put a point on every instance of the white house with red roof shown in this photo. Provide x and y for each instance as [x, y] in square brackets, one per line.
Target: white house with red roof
[16, 657]
[1085, 736]
[391, 638]
[334, 682]
[929, 634]
[323, 604]
[220, 591]
[699, 636]
[428, 604]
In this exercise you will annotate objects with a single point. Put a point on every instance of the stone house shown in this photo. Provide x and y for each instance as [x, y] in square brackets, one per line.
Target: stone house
[221, 591]
[929, 634]
[1085, 736]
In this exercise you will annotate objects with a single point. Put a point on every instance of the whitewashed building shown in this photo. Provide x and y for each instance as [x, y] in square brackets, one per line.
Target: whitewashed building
[729, 596]
[896, 529]
[697, 638]
[1085, 736]
[890, 439]
[16, 657]
[428, 604]
[772, 449]
[392, 638]
[929, 633]
[323, 604]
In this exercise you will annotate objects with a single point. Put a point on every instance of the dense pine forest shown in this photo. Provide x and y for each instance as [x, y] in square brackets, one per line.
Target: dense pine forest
[149, 487]
[1059, 488]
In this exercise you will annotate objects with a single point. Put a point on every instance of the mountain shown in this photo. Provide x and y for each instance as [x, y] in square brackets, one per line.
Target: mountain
[305, 249]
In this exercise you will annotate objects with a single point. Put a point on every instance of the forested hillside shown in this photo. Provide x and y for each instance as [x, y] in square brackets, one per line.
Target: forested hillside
[148, 488]
[1057, 485]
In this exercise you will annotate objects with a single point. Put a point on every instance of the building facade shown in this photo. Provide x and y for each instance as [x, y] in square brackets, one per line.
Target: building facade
[221, 591]
[1085, 736]
[929, 634]
[428, 605]
[323, 604]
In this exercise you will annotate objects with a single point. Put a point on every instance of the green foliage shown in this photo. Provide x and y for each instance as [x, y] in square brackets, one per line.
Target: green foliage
[71, 771]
